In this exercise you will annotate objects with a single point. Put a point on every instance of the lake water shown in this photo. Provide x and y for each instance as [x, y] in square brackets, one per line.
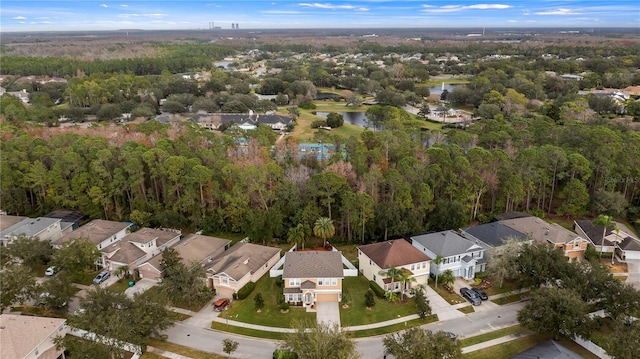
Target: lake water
[354, 118]
[224, 64]
[437, 90]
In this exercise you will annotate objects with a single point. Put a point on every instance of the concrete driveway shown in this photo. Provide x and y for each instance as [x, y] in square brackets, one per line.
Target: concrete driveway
[328, 313]
[141, 286]
[633, 268]
[440, 306]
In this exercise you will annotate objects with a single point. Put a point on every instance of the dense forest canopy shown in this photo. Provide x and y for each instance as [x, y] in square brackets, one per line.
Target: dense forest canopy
[539, 145]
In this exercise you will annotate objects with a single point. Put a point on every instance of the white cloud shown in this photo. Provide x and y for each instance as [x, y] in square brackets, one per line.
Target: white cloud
[328, 6]
[124, 5]
[19, 18]
[104, 5]
[454, 8]
[561, 11]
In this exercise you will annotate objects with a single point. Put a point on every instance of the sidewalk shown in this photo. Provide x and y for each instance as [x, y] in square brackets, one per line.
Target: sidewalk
[490, 343]
[165, 353]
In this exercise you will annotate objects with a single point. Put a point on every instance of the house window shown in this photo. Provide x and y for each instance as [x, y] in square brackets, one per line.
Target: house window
[413, 267]
[299, 297]
[424, 264]
[294, 282]
[334, 281]
[149, 245]
[397, 285]
[369, 261]
[374, 277]
[320, 281]
[224, 280]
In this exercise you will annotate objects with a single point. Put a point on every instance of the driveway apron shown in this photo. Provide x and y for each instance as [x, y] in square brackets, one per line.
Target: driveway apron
[328, 313]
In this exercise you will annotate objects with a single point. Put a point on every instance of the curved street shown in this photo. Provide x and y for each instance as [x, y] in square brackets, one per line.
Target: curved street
[195, 333]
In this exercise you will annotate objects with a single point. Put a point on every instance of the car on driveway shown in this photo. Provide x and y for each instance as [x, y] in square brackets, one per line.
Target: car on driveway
[220, 304]
[480, 293]
[101, 277]
[51, 271]
[470, 295]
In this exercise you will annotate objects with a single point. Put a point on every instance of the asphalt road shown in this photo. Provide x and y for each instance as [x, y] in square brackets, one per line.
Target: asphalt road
[211, 341]
[370, 348]
[469, 325]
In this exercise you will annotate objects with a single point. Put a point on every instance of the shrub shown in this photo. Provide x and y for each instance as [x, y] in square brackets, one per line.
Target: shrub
[369, 298]
[246, 290]
[318, 123]
[279, 281]
[376, 289]
[280, 298]
[308, 106]
[284, 354]
[284, 306]
[258, 301]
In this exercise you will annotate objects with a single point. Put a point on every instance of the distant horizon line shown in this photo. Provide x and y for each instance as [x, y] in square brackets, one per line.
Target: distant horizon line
[204, 29]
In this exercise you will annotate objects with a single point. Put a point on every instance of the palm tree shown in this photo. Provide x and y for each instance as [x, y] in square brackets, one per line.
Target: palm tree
[298, 234]
[391, 272]
[324, 229]
[439, 259]
[447, 278]
[605, 221]
[404, 277]
[121, 271]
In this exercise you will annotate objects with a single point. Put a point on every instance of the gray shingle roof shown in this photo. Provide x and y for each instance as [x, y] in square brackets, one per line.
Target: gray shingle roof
[446, 244]
[541, 230]
[243, 258]
[95, 231]
[494, 234]
[313, 264]
[29, 227]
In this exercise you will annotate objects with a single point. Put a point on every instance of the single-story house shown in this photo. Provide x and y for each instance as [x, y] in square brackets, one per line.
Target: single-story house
[375, 259]
[540, 230]
[312, 276]
[46, 229]
[194, 248]
[239, 265]
[493, 236]
[463, 257]
[99, 232]
[619, 238]
[138, 247]
[27, 337]
[249, 121]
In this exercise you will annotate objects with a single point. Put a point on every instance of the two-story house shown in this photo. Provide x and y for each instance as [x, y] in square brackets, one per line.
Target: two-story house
[99, 232]
[30, 337]
[45, 229]
[376, 259]
[138, 247]
[239, 265]
[540, 230]
[618, 238]
[493, 237]
[463, 257]
[311, 277]
[193, 248]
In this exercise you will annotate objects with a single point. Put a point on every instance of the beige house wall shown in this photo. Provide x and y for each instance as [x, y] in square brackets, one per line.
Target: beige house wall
[371, 270]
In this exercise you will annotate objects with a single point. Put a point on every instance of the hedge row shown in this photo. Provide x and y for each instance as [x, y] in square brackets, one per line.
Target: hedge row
[376, 289]
[246, 290]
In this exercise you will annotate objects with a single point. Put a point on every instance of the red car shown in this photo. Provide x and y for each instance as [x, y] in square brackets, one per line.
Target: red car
[220, 304]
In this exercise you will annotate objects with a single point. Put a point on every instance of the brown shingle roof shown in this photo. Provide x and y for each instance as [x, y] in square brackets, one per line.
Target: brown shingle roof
[313, 264]
[19, 335]
[193, 248]
[145, 235]
[393, 253]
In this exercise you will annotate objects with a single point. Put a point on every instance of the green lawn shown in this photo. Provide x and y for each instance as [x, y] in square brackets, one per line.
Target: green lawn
[506, 287]
[357, 314]
[491, 335]
[120, 286]
[86, 277]
[179, 349]
[507, 350]
[508, 299]
[245, 311]
[394, 328]
[247, 332]
[466, 310]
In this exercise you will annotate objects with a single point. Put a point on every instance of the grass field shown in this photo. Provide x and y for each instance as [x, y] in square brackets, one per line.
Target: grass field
[394, 328]
[508, 299]
[270, 315]
[466, 310]
[506, 287]
[357, 314]
[179, 349]
[246, 331]
[451, 298]
[507, 350]
[492, 335]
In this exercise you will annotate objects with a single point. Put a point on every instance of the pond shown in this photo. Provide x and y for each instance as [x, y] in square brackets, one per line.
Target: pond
[437, 90]
[354, 118]
[224, 64]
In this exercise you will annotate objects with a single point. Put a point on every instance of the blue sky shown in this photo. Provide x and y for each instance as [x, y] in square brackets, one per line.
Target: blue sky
[27, 15]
